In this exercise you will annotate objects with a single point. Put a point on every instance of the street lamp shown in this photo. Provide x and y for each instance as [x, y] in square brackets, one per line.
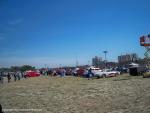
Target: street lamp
[77, 63]
[88, 63]
[59, 65]
[45, 66]
[105, 52]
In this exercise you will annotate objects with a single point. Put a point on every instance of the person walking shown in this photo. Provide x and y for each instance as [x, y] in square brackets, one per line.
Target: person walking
[8, 77]
[90, 74]
[64, 72]
[15, 76]
[18, 75]
[1, 110]
[1, 78]
[22, 74]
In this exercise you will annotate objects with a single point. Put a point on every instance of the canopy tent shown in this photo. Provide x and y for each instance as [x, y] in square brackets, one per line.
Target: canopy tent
[93, 68]
[133, 65]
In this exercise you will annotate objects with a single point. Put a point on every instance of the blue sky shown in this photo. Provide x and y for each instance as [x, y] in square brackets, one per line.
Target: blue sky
[54, 32]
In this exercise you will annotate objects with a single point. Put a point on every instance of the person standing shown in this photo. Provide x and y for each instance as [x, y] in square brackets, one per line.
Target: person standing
[1, 78]
[64, 72]
[1, 110]
[15, 76]
[22, 74]
[8, 77]
[90, 74]
[18, 75]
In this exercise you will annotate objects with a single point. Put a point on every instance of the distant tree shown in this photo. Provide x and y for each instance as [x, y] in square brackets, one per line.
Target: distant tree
[18, 68]
[26, 67]
[5, 69]
[15, 68]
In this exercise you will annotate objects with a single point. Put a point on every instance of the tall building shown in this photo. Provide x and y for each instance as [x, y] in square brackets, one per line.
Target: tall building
[128, 58]
[96, 61]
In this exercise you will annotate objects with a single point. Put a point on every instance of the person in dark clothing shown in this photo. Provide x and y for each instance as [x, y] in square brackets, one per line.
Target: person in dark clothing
[25, 75]
[22, 74]
[1, 77]
[18, 75]
[15, 77]
[1, 110]
[90, 74]
[8, 77]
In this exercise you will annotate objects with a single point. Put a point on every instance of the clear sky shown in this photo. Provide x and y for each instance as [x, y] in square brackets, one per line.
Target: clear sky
[54, 32]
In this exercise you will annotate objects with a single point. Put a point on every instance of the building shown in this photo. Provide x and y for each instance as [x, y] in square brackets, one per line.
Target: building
[96, 61]
[127, 58]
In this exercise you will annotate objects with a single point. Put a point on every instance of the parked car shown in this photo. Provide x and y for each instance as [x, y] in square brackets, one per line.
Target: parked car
[106, 73]
[96, 72]
[32, 74]
[99, 74]
[122, 70]
[74, 72]
[68, 72]
[112, 71]
[80, 72]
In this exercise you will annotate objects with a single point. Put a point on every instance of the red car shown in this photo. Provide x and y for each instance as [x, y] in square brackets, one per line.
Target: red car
[32, 74]
[80, 72]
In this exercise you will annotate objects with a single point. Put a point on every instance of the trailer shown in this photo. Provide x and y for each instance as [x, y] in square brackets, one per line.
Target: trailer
[135, 71]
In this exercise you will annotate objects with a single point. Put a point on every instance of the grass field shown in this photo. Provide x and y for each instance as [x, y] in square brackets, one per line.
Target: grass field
[122, 94]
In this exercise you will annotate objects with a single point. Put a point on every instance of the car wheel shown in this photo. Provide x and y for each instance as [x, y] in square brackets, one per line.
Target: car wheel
[98, 77]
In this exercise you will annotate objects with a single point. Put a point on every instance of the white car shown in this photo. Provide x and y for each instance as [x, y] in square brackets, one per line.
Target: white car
[112, 71]
[95, 71]
[106, 73]
[99, 74]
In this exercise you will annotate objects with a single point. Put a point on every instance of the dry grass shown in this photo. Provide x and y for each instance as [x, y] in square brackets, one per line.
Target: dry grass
[122, 94]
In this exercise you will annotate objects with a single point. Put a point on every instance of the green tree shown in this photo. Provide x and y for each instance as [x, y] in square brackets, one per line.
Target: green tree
[4, 69]
[15, 68]
[26, 67]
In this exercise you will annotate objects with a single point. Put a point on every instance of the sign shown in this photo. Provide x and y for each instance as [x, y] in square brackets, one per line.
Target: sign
[145, 40]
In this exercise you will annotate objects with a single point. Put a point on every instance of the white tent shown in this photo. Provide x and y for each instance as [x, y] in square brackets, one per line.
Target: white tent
[93, 68]
[134, 65]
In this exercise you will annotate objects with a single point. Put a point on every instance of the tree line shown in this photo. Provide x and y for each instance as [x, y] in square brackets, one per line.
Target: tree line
[17, 68]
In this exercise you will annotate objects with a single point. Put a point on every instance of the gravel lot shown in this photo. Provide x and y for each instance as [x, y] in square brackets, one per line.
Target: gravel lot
[122, 94]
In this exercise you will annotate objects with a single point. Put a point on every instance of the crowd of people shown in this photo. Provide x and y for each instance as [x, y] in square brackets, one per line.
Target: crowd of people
[54, 72]
[11, 75]
[62, 72]
[68, 72]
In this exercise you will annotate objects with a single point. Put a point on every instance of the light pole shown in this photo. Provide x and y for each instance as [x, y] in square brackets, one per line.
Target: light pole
[105, 52]
[45, 66]
[88, 63]
[59, 65]
[77, 63]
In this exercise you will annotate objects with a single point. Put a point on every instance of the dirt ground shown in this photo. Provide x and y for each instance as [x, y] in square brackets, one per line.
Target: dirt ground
[122, 94]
